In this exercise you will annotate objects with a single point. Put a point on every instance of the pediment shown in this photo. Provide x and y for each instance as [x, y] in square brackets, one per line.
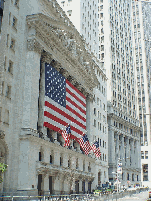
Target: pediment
[66, 46]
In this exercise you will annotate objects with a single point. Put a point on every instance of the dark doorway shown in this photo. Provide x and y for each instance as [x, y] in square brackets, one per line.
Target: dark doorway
[50, 185]
[83, 187]
[77, 187]
[40, 185]
[89, 187]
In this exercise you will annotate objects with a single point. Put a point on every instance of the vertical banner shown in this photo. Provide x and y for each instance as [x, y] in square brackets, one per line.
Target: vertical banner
[119, 168]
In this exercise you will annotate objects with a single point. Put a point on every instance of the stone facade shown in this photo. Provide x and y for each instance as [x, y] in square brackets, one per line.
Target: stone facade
[34, 33]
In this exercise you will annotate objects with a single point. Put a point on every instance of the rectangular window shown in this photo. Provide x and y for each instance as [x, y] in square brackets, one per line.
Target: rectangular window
[2, 92]
[145, 172]
[8, 92]
[94, 123]
[127, 176]
[40, 156]
[10, 67]
[97, 101]
[83, 165]
[51, 160]
[7, 40]
[14, 23]
[5, 60]
[61, 161]
[0, 114]
[142, 155]
[6, 119]
[9, 19]
[12, 45]
[146, 154]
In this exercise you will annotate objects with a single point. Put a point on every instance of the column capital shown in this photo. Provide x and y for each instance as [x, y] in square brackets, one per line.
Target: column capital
[34, 45]
[2, 134]
[46, 57]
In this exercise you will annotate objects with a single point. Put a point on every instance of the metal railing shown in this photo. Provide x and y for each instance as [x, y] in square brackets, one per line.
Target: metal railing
[72, 197]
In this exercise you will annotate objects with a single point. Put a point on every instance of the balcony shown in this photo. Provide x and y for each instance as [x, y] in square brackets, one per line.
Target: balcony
[55, 170]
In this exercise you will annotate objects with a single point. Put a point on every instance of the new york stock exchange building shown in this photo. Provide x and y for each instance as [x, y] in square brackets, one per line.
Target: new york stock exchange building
[49, 84]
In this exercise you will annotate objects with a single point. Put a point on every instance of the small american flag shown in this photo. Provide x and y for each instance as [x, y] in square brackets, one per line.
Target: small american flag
[84, 144]
[96, 150]
[66, 135]
[64, 104]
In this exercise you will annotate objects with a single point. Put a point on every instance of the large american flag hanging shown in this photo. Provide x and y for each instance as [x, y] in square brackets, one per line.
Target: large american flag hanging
[64, 104]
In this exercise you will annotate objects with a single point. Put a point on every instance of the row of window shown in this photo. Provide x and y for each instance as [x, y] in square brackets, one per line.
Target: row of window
[99, 115]
[101, 143]
[121, 126]
[69, 163]
[144, 155]
[99, 126]
[132, 177]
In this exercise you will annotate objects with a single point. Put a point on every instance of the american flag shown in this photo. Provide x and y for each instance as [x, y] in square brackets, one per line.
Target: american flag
[66, 135]
[96, 150]
[64, 104]
[84, 144]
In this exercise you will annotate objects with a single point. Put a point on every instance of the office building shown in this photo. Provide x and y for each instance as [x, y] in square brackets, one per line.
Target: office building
[107, 28]
[141, 11]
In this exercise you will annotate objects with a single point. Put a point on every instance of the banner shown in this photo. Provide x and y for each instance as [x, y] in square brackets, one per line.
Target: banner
[119, 168]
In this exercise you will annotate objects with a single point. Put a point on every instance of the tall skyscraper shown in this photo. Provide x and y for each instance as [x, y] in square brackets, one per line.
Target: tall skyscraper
[142, 54]
[98, 119]
[107, 28]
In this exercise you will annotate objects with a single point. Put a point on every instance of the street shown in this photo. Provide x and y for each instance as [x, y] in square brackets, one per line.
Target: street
[143, 196]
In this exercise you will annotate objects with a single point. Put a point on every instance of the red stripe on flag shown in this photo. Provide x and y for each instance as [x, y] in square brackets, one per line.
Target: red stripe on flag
[54, 118]
[74, 104]
[52, 127]
[75, 89]
[76, 113]
[73, 95]
[64, 114]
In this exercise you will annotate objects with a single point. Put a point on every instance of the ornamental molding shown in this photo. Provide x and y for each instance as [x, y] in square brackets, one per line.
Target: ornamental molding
[46, 57]
[2, 134]
[34, 45]
[123, 121]
[66, 48]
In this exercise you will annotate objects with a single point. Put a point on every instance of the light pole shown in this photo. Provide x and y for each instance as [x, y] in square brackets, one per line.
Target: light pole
[117, 179]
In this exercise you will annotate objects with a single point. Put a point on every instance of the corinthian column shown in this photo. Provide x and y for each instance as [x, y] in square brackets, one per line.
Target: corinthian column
[45, 58]
[31, 84]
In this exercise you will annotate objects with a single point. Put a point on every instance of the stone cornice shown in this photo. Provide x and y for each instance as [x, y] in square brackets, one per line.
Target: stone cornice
[64, 49]
[33, 136]
[121, 120]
